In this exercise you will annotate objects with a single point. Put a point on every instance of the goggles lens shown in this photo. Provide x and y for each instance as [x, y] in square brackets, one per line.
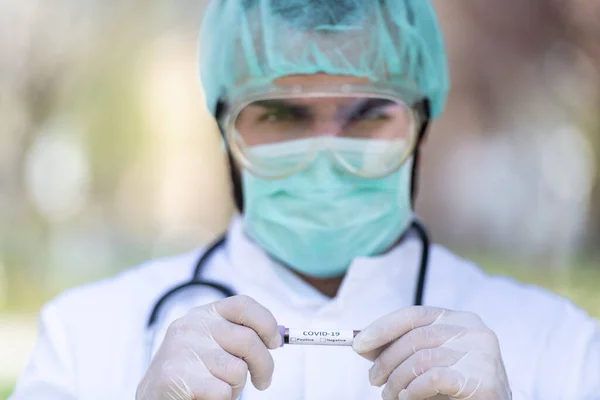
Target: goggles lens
[368, 136]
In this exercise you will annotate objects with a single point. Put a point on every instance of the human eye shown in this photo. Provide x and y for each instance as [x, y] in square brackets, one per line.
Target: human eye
[373, 115]
[277, 115]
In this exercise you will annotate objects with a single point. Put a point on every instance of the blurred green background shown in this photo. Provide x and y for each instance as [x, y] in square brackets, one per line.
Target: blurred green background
[108, 157]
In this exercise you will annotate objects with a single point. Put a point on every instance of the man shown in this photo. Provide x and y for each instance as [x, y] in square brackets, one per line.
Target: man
[323, 105]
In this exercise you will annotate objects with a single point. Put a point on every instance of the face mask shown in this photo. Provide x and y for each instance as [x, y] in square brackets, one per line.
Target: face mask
[318, 220]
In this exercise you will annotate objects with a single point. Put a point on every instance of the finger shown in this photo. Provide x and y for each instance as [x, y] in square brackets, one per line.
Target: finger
[426, 337]
[389, 328]
[417, 365]
[244, 310]
[436, 381]
[221, 364]
[244, 343]
[374, 354]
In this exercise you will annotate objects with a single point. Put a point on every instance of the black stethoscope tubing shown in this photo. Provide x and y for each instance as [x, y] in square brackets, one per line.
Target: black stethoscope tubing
[197, 281]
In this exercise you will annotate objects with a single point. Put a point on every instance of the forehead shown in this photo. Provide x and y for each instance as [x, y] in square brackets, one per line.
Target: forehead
[320, 80]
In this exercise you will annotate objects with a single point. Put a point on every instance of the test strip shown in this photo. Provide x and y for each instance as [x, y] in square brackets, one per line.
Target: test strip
[319, 337]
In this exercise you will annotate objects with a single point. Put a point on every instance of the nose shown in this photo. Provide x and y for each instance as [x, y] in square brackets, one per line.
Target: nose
[329, 127]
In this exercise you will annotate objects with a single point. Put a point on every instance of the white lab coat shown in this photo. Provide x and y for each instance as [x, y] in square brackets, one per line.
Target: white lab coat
[92, 339]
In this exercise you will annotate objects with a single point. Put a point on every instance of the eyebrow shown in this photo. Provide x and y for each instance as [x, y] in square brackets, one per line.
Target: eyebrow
[361, 107]
[283, 104]
[366, 105]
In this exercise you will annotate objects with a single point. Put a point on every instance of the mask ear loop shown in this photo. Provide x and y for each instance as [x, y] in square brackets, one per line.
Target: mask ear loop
[424, 111]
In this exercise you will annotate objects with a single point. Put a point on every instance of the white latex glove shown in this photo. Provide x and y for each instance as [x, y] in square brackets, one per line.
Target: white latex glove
[422, 352]
[207, 354]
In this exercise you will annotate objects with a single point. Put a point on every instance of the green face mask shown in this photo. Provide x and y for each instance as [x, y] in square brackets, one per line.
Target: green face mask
[318, 220]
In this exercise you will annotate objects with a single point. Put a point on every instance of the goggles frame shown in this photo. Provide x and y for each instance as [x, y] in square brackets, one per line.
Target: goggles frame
[249, 94]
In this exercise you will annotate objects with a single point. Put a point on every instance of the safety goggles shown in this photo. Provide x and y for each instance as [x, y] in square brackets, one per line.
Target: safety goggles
[368, 131]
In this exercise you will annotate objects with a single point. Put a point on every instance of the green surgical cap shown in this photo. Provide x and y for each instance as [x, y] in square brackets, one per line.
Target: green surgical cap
[257, 41]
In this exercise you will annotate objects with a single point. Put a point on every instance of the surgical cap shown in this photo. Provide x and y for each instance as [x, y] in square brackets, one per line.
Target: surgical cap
[246, 42]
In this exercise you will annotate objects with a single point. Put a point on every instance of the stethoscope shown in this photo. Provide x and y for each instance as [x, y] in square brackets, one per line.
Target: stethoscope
[197, 281]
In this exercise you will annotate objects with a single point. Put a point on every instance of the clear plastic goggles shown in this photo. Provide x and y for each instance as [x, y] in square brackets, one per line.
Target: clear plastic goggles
[279, 133]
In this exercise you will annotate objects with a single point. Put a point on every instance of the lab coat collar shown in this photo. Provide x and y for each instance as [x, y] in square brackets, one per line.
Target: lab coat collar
[394, 272]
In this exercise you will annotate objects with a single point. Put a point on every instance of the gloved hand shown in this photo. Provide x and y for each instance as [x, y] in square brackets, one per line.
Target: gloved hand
[422, 352]
[207, 354]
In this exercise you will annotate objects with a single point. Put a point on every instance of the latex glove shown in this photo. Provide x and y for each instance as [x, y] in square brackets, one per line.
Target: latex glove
[207, 354]
[422, 352]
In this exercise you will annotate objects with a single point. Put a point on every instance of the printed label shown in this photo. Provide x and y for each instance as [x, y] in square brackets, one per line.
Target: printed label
[327, 338]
